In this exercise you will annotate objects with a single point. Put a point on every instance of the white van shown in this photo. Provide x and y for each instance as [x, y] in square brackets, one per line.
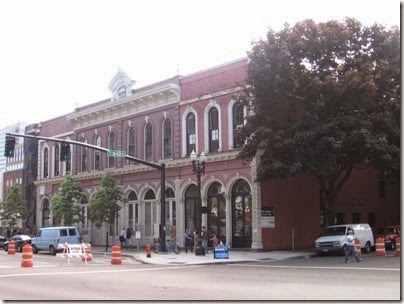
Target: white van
[334, 238]
[49, 238]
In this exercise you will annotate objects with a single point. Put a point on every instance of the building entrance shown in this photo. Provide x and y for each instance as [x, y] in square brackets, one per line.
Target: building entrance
[241, 215]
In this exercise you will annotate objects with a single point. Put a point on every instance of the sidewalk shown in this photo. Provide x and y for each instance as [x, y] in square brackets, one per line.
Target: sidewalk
[235, 256]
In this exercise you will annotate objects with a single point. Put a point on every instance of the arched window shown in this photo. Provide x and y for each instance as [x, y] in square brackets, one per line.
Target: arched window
[148, 138]
[131, 144]
[133, 211]
[150, 212]
[191, 133]
[97, 154]
[238, 122]
[170, 211]
[45, 163]
[213, 130]
[241, 215]
[192, 208]
[167, 139]
[111, 146]
[57, 161]
[84, 157]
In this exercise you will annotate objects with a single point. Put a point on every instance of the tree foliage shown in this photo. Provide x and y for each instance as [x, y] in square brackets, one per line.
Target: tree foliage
[104, 205]
[66, 205]
[325, 98]
[14, 207]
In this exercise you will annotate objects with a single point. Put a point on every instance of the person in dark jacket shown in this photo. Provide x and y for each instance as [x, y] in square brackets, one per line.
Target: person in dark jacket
[205, 238]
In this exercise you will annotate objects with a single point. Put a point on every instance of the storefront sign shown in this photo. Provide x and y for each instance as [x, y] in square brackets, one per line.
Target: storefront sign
[267, 217]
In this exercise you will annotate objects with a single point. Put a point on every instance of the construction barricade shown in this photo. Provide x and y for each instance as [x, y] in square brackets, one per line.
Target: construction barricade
[11, 247]
[73, 251]
[398, 246]
[27, 256]
[358, 247]
[116, 255]
[380, 247]
[87, 251]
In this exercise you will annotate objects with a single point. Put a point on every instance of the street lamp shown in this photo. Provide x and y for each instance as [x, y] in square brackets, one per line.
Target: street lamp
[198, 167]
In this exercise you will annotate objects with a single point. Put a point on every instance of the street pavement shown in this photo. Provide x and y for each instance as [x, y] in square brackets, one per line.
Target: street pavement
[234, 256]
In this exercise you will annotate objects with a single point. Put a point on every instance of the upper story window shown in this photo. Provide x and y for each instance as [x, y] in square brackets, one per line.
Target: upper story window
[45, 163]
[57, 160]
[97, 154]
[131, 144]
[213, 130]
[111, 146]
[191, 133]
[148, 141]
[238, 122]
[167, 139]
[84, 157]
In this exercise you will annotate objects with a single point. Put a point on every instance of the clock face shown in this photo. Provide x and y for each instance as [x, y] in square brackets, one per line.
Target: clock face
[122, 89]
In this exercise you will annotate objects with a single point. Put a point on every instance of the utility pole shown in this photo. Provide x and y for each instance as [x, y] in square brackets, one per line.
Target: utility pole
[160, 167]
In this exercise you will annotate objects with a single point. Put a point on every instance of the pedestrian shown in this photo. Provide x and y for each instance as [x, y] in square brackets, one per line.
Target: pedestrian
[350, 247]
[188, 240]
[196, 238]
[129, 236]
[122, 238]
[205, 238]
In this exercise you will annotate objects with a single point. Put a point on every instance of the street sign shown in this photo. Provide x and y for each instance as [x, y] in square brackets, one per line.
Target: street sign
[115, 153]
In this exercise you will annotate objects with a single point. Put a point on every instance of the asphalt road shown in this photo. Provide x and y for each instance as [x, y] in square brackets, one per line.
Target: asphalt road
[319, 278]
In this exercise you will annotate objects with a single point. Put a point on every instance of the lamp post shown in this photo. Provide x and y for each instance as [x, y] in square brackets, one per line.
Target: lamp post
[198, 167]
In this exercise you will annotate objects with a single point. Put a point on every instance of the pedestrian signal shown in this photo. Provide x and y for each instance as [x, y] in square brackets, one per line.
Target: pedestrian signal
[10, 146]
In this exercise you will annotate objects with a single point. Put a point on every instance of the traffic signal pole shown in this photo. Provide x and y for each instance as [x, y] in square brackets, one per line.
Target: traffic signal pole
[160, 167]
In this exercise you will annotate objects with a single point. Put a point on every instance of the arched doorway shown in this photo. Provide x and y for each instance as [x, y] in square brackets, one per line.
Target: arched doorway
[46, 214]
[192, 208]
[217, 211]
[241, 215]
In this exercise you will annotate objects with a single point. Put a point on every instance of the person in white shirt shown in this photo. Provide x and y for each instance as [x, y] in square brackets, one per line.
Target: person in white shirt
[350, 247]
[122, 238]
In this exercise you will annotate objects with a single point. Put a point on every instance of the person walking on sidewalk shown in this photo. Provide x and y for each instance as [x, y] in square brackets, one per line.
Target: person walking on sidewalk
[205, 238]
[188, 240]
[350, 247]
[196, 238]
[122, 238]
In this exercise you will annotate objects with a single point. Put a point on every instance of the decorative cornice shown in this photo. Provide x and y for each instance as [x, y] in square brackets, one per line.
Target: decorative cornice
[211, 96]
[140, 101]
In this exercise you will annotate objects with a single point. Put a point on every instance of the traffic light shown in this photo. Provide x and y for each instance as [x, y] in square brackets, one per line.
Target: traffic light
[10, 146]
[65, 152]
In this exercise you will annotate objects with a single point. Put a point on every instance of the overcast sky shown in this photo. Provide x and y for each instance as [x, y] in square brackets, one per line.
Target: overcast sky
[57, 55]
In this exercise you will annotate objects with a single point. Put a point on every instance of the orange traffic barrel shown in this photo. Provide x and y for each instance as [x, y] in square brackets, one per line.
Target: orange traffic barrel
[87, 252]
[380, 247]
[11, 247]
[27, 256]
[358, 247]
[398, 246]
[116, 255]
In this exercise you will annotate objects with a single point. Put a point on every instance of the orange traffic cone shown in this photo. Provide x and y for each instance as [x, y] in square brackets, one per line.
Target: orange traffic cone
[11, 247]
[116, 255]
[358, 247]
[380, 247]
[27, 256]
[398, 246]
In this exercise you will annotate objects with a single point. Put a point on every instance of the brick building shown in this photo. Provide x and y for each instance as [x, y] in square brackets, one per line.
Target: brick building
[164, 123]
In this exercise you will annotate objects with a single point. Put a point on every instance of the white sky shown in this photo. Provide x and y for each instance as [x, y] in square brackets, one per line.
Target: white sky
[56, 55]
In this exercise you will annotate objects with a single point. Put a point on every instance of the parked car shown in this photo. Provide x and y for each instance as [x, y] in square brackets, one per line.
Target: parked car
[333, 239]
[2, 240]
[389, 235]
[20, 240]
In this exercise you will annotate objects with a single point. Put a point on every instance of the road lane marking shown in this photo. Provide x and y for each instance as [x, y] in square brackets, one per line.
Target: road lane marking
[314, 267]
[93, 271]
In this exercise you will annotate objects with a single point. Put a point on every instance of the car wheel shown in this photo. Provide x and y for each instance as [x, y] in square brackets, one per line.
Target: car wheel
[19, 248]
[52, 250]
[5, 248]
[393, 245]
[367, 248]
[34, 249]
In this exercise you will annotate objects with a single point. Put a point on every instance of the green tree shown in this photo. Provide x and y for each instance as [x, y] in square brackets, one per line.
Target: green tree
[326, 99]
[14, 207]
[66, 205]
[104, 205]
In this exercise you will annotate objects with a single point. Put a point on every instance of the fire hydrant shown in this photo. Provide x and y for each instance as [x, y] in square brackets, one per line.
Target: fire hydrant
[148, 251]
